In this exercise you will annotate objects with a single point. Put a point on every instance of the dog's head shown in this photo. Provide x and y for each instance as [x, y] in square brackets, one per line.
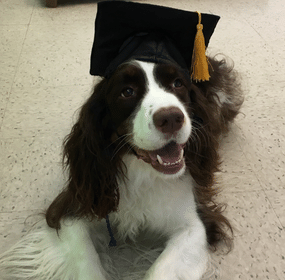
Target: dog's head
[143, 109]
[149, 111]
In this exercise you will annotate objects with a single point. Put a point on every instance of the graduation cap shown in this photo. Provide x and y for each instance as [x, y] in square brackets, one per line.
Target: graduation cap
[127, 30]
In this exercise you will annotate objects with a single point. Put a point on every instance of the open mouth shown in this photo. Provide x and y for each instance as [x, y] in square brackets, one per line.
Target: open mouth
[168, 160]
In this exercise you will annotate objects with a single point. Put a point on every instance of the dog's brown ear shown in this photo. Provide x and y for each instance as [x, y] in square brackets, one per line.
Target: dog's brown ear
[201, 154]
[88, 155]
[203, 161]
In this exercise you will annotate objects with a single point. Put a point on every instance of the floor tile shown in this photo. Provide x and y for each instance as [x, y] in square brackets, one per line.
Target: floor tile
[71, 37]
[278, 50]
[259, 237]
[65, 14]
[11, 43]
[255, 256]
[250, 212]
[8, 68]
[263, 144]
[236, 174]
[242, 9]
[12, 39]
[4, 97]
[34, 111]
[268, 25]
[16, 11]
[52, 99]
[31, 172]
[264, 104]
[277, 200]
[54, 68]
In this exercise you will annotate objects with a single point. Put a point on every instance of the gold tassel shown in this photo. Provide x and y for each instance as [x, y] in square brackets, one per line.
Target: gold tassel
[200, 69]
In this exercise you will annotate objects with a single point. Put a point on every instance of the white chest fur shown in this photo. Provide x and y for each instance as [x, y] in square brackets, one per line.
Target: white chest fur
[149, 200]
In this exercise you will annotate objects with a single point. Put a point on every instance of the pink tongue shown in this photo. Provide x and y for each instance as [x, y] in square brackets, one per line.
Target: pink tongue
[169, 153]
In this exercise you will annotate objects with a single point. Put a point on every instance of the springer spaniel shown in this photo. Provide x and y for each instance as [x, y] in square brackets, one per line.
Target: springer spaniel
[142, 154]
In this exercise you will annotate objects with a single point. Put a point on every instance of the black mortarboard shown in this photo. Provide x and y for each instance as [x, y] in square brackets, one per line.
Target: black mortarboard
[126, 30]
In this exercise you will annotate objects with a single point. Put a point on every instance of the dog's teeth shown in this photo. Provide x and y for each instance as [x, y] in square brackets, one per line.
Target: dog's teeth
[159, 159]
[169, 163]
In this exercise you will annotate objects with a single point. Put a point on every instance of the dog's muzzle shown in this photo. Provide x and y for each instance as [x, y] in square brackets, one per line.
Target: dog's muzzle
[170, 158]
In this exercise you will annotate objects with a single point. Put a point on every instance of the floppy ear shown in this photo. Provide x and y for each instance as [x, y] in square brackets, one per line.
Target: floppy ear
[203, 161]
[201, 151]
[88, 154]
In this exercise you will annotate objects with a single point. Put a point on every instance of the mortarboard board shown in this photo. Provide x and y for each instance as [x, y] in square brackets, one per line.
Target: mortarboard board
[127, 30]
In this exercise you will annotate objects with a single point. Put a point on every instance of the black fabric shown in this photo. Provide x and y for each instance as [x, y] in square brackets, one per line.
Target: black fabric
[148, 47]
[125, 30]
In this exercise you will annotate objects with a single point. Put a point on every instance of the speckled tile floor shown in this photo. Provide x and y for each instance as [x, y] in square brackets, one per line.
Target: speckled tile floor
[44, 77]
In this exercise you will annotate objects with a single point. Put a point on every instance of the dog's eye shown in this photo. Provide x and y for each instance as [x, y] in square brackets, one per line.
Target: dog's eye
[128, 92]
[177, 83]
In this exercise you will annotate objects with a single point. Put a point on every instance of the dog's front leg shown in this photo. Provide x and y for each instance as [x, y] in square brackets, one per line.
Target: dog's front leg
[45, 254]
[185, 256]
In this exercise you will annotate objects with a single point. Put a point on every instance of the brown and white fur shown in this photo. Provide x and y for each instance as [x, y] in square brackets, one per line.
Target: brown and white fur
[144, 151]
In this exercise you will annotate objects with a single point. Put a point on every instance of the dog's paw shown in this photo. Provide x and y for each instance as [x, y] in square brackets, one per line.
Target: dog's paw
[176, 271]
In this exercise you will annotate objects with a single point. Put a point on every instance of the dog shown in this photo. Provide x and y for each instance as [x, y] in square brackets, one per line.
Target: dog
[143, 152]
[141, 160]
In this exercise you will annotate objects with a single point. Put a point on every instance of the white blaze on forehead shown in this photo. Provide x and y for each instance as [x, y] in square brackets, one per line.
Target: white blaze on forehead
[145, 135]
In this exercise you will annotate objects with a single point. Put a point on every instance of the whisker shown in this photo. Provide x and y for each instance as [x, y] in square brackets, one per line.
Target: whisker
[121, 137]
[119, 146]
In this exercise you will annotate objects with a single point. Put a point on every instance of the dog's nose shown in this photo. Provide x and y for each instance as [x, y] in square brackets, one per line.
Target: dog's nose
[168, 120]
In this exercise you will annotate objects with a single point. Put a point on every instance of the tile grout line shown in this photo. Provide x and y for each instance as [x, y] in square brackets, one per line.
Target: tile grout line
[281, 225]
[248, 22]
[16, 68]
[262, 187]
